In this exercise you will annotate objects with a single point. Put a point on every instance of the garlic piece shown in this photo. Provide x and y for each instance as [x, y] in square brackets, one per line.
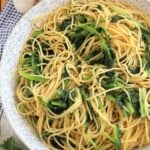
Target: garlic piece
[24, 5]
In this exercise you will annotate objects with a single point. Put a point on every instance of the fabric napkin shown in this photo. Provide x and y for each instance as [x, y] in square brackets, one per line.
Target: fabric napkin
[8, 19]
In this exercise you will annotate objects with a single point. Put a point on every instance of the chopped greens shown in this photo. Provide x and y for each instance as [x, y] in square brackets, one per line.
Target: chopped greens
[58, 103]
[94, 53]
[84, 92]
[100, 7]
[65, 73]
[61, 102]
[27, 93]
[129, 105]
[134, 70]
[145, 35]
[142, 95]
[65, 24]
[77, 36]
[109, 55]
[116, 138]
[112, 80]
[87, 123]
[93, 143]
[81, 31]
[37, 33]
[134, 99]
[94, 57]
[80, 18]
[101, 106]
[31, 60]
[10, 144]
[34, 77]
[34, 62]
[146, 39]
[116, 18]
[57, 106]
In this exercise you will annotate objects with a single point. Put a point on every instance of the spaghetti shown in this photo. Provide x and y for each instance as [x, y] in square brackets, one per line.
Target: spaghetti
[84, 76]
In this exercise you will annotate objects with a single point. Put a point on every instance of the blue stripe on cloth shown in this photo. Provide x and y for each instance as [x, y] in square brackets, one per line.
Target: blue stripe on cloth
[8, 19]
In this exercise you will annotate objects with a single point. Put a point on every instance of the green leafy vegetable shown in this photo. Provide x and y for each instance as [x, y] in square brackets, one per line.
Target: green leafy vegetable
[134, 99]
[27, 93]
[129, 105]
[90, 28]
[81, 31]
[84, 92]
[134, 70]
[147, 61]
[34, 62]
[37, 33]
[65, 24]
[93, 143]
[142, 95]
[86, 76]
[116, 18]
[125, 104]
[65, 73]
[31, 60]
[23, 108]
[80, 18]
[94, 57]
[29, 41]
[34, 77]
[77, 36]
[146, 39]
[119, 10]
[57, 109]
[112, 80]
[116, 138]
[46, 45]
[145, 35]
[100, 7]
[109, 55]
[94, 53]
[61, 102]
[9, 144]
[101, 106]
[87, 123]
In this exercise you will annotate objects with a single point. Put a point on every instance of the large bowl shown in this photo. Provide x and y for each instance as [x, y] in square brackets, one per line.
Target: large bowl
[8, 67]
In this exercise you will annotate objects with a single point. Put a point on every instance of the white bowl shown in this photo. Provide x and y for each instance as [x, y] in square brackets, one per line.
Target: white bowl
[8, 67]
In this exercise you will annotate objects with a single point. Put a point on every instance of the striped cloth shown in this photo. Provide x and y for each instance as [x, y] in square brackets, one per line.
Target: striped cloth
[8, 19]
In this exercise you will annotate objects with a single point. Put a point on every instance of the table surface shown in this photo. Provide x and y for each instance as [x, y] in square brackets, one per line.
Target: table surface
[2, 3]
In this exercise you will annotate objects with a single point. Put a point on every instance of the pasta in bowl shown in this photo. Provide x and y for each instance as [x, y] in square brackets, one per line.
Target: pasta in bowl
[83, 76]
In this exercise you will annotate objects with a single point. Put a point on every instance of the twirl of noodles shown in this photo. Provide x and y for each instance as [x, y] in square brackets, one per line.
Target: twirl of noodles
[83, 77]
